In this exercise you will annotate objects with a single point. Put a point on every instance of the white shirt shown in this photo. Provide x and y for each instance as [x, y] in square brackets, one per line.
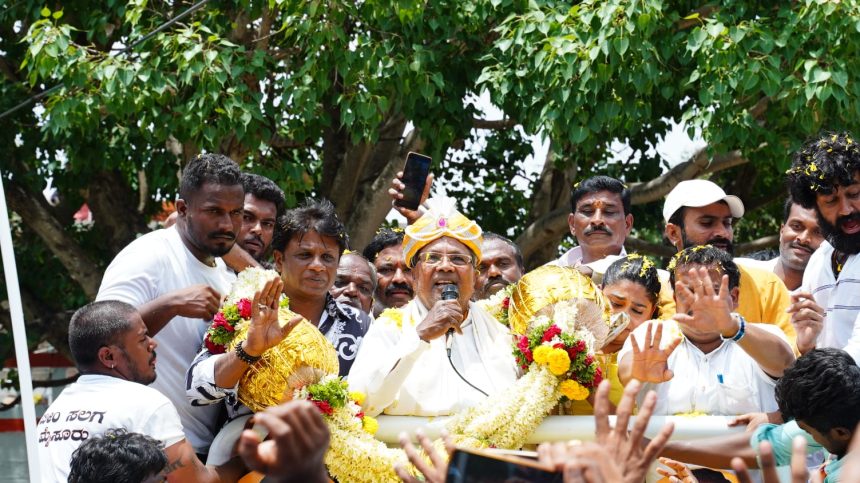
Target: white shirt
[149, 267]
[724, 382]
[839, 297]
[573, 257]
[402, 375]
[94, 404]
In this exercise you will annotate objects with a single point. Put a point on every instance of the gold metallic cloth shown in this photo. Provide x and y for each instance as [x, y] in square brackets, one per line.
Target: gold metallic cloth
[265, 383]
[546, 286]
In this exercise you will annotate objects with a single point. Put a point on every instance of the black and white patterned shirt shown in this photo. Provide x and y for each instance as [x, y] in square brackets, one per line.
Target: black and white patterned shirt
[344, 326]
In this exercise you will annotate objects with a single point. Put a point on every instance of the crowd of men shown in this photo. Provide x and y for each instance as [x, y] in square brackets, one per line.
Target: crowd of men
[772, 342]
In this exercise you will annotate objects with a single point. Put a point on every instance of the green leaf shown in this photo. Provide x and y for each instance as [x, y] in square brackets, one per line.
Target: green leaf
[692, 16]
[840, 78]
[57, 15]
[621, 45]
[820, 75]
[46, 12]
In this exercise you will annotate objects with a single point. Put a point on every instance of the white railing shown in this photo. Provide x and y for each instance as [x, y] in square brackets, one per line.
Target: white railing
[564, 428]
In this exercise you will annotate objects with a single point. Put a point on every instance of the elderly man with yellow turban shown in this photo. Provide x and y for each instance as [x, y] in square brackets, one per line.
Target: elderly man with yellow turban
[409, 363]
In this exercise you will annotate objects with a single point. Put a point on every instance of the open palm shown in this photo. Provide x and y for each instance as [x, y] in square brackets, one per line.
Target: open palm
[650, 362]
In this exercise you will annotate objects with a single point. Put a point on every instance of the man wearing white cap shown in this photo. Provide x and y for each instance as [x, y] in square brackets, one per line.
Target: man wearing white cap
[440, 353]
[698, 212]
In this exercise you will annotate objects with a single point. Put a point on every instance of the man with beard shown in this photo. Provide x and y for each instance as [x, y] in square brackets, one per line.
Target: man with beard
[355, 282]
[799, 236]
[115, 355]
[698, 212]
[394, 278]
[501, 265]
[825, 176]
[175, 278]
[264, 204]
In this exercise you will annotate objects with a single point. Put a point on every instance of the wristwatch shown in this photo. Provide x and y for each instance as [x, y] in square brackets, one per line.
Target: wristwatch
[742, 325]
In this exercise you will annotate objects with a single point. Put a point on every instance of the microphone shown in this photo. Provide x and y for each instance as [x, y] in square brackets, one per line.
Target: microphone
[450, 292]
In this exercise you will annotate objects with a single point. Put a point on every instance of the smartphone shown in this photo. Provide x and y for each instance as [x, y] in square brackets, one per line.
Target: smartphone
[477, 466]
[414, 177]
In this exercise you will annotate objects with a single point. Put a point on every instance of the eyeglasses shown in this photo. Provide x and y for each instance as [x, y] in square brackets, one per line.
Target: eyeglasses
[435, 258]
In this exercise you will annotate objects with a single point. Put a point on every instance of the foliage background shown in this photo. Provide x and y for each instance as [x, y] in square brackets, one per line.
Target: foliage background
[326, 98]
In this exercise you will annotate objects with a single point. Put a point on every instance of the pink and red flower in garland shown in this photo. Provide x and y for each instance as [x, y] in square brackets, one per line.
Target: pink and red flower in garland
[565, 354]
[223, 327]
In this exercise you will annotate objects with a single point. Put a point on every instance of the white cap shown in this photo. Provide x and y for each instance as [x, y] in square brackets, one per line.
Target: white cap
[697, 193]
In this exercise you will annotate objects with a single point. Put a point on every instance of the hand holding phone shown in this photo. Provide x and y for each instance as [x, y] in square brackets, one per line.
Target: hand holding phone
[412, 185]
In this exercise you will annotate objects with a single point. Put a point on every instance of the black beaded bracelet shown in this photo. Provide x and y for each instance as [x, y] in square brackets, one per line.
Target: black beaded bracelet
[244, 356]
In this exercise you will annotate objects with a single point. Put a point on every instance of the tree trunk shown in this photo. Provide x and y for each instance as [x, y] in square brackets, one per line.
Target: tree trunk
[36, 214]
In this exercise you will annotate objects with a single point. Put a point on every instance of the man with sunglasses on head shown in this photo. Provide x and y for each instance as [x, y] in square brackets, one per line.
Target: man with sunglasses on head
[440, 353]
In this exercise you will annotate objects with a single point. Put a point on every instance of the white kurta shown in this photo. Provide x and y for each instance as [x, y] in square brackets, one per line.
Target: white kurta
[839, 297]
[402, 375]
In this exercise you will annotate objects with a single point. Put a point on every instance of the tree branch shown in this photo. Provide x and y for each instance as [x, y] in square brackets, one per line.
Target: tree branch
[34, 211]
[702, 12]
[699, 165]
[757, 244]
[551, 226]
[638, 245]
[495, 125]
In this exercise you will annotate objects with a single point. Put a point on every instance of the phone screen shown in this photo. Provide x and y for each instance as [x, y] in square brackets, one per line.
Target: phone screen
[469, 467]
[414, 177]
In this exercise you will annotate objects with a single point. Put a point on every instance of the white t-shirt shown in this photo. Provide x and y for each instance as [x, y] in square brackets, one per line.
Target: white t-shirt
[724, 382]
[91, 406]
[153, 265]
[840, 298]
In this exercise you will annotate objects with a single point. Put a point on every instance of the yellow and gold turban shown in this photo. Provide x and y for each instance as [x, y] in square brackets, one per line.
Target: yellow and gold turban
[442, 219]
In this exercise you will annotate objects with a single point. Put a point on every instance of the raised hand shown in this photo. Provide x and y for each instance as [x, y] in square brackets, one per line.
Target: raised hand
[436, 470]
[701, 307]
[799, 473]
[265, 330]
[294, 451]
[650, 362]
[626, 448]
[677, 473]
[396, 193]
[808, 320]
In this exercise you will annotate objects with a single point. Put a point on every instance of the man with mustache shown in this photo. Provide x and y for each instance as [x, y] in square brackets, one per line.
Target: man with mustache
[394, 278]
[175, 278]
[436, 355]
[115, 355]
[799, 237]
[264, 204]
[600, 219]
[501, 265]
[355, 282]
[698, 212]
[825, 177]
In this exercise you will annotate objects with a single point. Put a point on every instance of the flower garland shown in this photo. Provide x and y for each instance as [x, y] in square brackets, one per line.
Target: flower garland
[497, 304]
[354, 454]
[507, 418]
[304, 366]
[330, 394]
[567, 355]
[223, 327]
[236, 309]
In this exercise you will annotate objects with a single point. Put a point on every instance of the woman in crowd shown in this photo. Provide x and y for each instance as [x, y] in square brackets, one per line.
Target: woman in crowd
[630, 285]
